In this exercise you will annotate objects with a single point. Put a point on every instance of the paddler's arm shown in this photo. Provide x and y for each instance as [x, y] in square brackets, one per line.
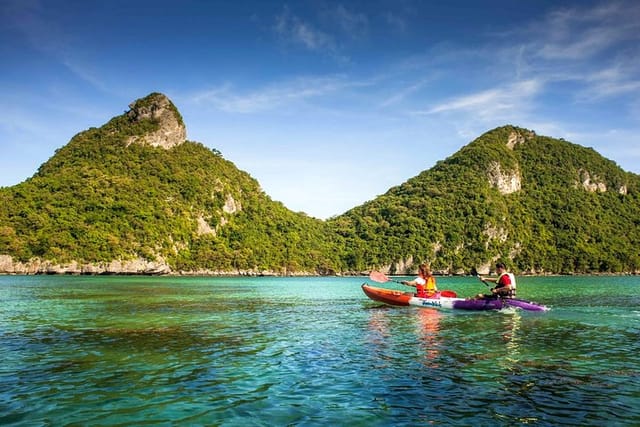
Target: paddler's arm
[501, 290]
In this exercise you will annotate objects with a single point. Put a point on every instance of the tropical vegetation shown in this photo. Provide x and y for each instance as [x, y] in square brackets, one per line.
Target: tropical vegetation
[544, 205]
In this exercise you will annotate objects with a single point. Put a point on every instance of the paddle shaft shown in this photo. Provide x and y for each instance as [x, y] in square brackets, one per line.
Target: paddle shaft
[474, 272]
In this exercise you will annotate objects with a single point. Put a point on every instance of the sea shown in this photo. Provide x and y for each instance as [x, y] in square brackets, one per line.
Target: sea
[313, 351]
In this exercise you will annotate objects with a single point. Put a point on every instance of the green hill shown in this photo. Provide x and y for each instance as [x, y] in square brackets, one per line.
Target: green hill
[134, 196]
[113, 193]
[544, 205]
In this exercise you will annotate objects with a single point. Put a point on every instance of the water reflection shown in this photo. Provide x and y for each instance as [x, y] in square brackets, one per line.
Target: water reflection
[511, 336]
[389, 339]
[428, 330]
[379, 325]
[379, 336]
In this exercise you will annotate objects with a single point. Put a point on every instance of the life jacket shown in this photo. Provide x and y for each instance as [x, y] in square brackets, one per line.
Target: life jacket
[511, 292]
[425, 287]
[430, 287]
[513, 283]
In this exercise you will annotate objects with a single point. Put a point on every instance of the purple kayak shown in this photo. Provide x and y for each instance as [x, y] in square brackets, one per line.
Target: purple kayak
[497, 304]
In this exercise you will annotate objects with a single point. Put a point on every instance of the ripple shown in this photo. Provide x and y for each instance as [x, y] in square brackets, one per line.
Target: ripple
[313, 352]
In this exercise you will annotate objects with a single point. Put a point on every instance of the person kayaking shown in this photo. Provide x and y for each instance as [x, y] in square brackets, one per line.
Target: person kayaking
[425, 283]
[505, 284]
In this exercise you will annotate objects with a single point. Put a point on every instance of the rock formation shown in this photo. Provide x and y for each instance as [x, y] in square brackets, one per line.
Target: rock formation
[506, 182]
[158, 108]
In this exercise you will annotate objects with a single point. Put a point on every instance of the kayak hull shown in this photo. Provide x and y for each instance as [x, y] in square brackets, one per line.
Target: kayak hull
[387, 296]
[525, 305]
[398, 298]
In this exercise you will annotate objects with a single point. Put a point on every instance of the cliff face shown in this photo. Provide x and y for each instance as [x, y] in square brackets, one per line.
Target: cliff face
[36, 266]
[509, 181]
[506, 182]
[160, 110]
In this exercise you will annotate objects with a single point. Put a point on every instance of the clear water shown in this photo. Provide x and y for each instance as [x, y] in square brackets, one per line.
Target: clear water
[313, 351]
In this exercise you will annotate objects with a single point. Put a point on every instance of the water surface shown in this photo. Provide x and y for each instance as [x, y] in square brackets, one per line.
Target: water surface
[313, 351]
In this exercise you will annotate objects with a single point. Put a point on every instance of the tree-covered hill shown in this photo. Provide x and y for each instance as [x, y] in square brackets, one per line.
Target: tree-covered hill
[134, 196]
[113, 194]
[544, 205]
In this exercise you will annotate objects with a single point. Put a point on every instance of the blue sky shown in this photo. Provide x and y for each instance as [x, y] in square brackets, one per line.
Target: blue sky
[327, 104]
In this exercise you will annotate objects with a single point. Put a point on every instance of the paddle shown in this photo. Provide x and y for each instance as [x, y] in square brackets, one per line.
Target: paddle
[380, 277]
[474, 272]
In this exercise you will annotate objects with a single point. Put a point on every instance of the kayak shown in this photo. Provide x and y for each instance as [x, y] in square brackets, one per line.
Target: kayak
[446, 299]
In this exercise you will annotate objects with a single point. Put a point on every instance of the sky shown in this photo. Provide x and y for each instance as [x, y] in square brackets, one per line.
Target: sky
[327, 104]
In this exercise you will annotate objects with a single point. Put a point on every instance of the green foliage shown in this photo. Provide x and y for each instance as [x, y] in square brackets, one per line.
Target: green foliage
[453, 217]
[98, 199]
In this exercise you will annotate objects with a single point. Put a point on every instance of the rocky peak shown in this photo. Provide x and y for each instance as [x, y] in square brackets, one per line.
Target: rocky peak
[157, 108]
[518, 138]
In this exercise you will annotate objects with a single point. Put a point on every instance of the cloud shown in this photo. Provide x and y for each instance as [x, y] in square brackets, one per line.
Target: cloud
[298, 32]
[592, 52]
[402, 94]
[491, 102]
[596, 47]
[329, 33]
[271, 97]
[354, 25]
[396, 22]
[610, 82]
[571, 34]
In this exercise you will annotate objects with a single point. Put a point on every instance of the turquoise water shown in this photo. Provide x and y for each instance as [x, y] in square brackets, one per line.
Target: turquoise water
[313, 351]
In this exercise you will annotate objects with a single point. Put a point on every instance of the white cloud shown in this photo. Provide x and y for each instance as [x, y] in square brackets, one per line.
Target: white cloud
[402, 94]
[328, 33]
[618, 78]
[595, 48]
[581, 33]
[491, 101]
[271, 97]
[294, 30]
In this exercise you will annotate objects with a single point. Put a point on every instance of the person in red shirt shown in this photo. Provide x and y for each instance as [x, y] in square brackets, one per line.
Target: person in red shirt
[505, 283]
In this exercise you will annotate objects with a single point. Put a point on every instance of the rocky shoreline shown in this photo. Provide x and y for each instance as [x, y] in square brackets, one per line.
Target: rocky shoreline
[133, 267]
[141, 267]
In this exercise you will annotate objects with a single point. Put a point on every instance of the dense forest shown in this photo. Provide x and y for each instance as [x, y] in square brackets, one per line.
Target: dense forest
[543, 205]
[99, 198]
[565, 209]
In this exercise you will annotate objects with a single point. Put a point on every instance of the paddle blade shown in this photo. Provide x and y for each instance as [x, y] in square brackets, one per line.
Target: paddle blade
[378, 276]
[448, 294]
